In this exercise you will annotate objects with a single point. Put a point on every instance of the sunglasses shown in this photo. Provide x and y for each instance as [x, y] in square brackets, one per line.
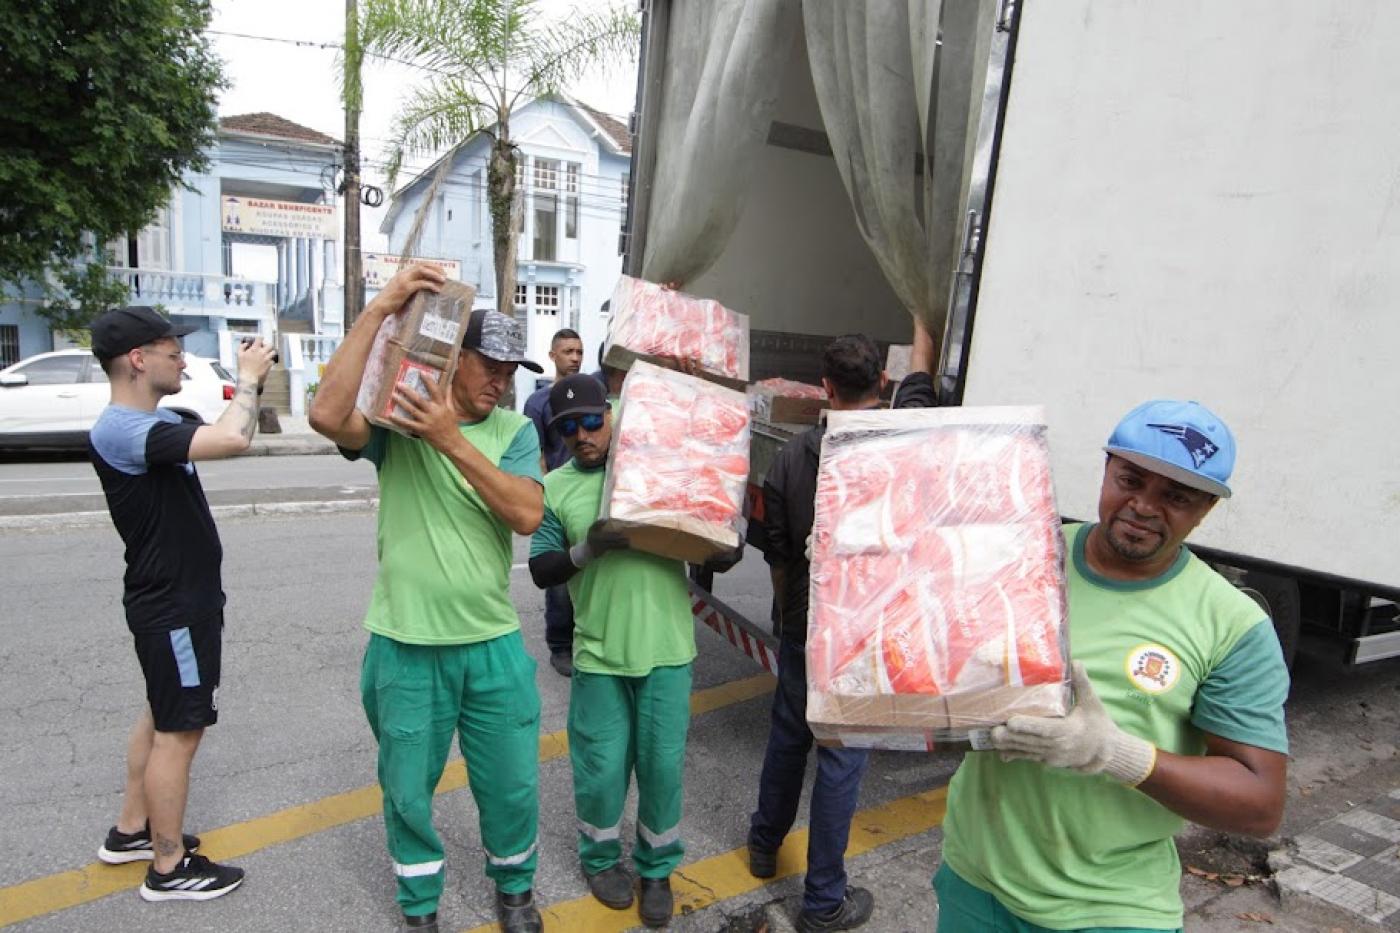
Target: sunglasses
[569, 426]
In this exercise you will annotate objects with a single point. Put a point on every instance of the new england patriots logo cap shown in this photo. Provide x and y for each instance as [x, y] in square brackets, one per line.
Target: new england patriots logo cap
[1183, 441]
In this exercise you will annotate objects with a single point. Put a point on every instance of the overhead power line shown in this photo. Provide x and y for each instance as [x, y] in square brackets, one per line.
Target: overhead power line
[340, 47]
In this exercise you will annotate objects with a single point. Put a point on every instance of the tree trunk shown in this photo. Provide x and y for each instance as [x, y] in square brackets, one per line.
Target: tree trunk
[505, 218]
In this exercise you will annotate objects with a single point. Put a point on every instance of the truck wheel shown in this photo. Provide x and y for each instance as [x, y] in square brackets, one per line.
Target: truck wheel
[1278, 596]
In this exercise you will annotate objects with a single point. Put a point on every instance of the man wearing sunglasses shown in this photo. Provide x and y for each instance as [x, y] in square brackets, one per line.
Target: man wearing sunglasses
[634, 642]
[445, 655]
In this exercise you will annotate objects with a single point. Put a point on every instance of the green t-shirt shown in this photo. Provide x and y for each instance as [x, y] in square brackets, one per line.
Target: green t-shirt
[1172, 658]
[631, 609]
[444, 557]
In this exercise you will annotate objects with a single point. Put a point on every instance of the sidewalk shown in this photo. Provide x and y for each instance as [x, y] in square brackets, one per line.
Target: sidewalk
[295, 439]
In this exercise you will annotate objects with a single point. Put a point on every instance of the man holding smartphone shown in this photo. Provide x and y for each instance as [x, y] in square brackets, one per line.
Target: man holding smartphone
[174, 599]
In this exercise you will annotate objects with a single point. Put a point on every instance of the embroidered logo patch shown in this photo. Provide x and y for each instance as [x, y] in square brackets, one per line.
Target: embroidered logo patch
[1153, 668]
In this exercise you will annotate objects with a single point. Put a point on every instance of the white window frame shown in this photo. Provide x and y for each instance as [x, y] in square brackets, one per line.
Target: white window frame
[547, 299]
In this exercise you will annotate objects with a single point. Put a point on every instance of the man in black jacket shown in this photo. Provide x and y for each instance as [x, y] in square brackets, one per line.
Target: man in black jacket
[854, 379]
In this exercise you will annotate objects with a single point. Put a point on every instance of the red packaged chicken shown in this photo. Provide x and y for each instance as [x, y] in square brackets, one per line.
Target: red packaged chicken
[678, 466]
[938, 601]
[656, 324]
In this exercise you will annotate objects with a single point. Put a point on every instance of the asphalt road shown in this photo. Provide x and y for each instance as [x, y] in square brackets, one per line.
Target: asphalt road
[70, 485]
[292, 734]
[286, 778]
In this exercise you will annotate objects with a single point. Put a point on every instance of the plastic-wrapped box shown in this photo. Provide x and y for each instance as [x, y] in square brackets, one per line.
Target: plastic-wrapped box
[420, 343]
[938, 602]
[678, 466]
[657, 324]
[786, 401]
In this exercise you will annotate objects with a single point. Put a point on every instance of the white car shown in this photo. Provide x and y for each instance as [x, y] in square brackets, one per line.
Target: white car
[53, 399]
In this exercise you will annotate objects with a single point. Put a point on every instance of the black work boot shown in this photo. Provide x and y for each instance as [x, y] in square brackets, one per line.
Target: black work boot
[657, 902]
[421, 923]
[612, 887]
[763, 863]
[854, 910]
[517, 913]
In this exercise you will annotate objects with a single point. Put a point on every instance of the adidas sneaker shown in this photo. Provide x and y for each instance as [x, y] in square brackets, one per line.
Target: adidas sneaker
[121, 848]
[194, 879]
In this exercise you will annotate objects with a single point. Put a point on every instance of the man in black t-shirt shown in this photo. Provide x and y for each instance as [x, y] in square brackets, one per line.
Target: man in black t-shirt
[173, 594]
[854, 379]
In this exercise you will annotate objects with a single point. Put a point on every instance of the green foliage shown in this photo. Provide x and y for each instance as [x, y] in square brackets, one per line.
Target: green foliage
[108, 103]
[482, 58]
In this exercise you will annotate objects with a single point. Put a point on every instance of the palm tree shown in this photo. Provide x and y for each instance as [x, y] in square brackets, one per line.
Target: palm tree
[483, 59]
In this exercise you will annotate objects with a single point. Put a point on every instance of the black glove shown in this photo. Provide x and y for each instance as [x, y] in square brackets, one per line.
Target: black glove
[599, 541]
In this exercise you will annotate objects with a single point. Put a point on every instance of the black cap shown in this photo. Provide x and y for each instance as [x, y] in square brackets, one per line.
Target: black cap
[497, 337]
[576, 395]
[122, 329]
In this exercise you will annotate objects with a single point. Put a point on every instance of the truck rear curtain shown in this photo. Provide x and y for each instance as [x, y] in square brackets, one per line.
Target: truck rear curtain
[901, 112]
[725, 64]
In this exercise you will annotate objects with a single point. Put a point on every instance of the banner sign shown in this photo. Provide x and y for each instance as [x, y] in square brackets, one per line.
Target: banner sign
[380, 267]
[265, 217]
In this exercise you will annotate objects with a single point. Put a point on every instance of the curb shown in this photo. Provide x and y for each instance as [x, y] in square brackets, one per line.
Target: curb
[298, 447]
[92, 519]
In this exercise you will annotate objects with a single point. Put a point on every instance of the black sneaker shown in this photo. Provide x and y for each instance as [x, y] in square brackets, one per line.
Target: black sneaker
[657, 902]
[421, 923]
[763, 863]
[517, 913]
[121, 848]
[612, 887]
[855, 909]
[194, 879]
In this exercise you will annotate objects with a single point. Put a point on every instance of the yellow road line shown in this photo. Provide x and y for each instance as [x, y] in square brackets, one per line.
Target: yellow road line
[53, 893]
[718, 878]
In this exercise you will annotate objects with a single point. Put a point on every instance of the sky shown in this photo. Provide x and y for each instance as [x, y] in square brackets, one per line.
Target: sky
[298, 82]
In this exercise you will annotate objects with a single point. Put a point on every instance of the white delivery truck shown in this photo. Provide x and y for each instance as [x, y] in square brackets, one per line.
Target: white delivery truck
[1095, 204]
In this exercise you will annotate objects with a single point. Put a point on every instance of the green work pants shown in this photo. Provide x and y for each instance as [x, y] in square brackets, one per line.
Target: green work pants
[417, 697]
[618, 725]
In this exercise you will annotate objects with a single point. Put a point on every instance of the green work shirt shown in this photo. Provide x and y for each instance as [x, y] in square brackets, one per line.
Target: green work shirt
[444, 556]
[631, 609]
[1171, 658]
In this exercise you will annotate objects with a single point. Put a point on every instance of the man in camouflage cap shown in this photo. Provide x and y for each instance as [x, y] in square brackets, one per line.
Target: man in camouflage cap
[445, 655]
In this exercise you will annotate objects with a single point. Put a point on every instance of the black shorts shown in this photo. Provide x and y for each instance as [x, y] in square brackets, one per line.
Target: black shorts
[182, 674]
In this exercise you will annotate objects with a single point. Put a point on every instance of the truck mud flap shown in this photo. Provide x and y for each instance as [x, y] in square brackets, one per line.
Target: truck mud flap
[748, 637]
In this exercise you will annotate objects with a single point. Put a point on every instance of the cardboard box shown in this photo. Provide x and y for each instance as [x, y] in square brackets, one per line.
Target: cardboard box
[938, 602]
[421, 343]
[660, 325]
[678, 466]
[774, 402]
[909, 721]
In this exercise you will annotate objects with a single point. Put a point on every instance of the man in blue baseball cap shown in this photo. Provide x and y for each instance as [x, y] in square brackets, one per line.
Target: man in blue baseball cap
[1067, 823]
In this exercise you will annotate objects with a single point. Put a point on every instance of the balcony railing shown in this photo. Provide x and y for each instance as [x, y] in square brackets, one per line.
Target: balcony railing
[306, 355]
[195, 293]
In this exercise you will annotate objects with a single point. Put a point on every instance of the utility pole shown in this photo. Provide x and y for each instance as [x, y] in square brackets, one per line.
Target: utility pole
[354, 280]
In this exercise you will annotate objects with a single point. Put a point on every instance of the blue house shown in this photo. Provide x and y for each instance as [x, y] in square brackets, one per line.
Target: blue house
[574, 165]
[251, 246]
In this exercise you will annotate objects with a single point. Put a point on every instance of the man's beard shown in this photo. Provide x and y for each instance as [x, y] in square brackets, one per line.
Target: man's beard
[1131, 551]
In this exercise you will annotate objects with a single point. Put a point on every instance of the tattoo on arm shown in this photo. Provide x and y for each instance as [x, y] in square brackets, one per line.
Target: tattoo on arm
[244, 410]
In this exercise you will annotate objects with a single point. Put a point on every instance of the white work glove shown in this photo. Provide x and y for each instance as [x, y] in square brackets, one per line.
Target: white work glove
[598, 542]
[1087, 740]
